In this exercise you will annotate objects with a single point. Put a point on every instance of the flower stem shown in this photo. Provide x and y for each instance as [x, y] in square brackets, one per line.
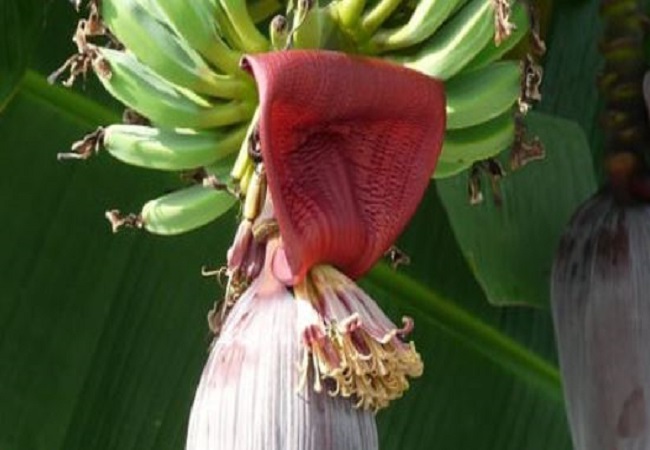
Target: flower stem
[625, 118]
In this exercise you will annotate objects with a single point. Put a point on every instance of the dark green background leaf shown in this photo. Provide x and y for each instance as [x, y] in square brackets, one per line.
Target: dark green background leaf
[102, 336]
[510, 247]
[21, 23]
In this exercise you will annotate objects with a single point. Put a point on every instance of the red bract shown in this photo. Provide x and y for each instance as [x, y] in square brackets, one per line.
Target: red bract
[349, 145]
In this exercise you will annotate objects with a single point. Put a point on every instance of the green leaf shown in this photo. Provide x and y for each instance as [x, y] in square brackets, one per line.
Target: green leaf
[571, 68]
[20, 28]
[103, 337]
[510, 247]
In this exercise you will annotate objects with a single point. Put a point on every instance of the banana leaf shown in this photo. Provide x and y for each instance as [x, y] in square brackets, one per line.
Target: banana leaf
[103, 336]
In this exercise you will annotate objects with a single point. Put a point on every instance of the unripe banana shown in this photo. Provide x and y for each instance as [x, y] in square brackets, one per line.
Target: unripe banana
[244, 160]
[480, 95]
[255, 194]
[226, 28]
[458, 41]
[145, 92]
[246, 178]
[194, 22]
[446, 169]
[185, 210]
[250, 37]
[260, 10]
[158, 47]
[492, 52]
[308, 25]
[464, 146]
[349, 12]
[424, 22]
[374, 18]
[279, 32]
[166, 149]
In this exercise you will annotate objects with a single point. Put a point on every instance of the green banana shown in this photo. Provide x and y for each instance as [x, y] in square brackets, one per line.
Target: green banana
[140, 89]
[423, 23]
[185, 210]
[492, 52]
[459, 40]
[373, 19]
[308, 25]
[244, 161]
[167, 149]
[477, 96]
[255, 194]
[348, 12]
[194, 22]
[467, 145]
[446, 169]
[158, 47]
[261, 10]
[250, 38]
[279, 32]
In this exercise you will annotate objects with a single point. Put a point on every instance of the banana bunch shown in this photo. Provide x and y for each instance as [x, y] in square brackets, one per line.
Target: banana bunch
[462, 42]
[177, 65]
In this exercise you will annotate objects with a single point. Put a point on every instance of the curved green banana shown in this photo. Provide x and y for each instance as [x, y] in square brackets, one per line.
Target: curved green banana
[423, 23]
[477, 96]
[348, 12]
[492, 52]
[158, 47]
[194, 21]
[459, 40]
[167, 149]
[251, 39]
[377, 15]
[467, 145]
[185, 210]
[140, 89]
